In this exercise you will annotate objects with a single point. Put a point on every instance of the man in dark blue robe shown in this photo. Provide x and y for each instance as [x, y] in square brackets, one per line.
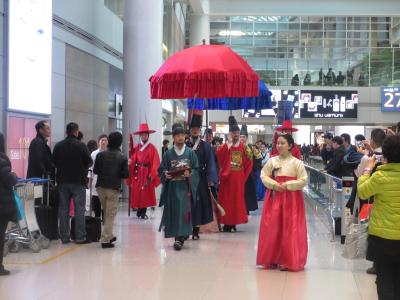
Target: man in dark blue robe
[203, 210]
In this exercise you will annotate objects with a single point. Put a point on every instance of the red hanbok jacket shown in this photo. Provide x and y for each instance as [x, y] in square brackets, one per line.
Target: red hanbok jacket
[235, 165]
[144, 175]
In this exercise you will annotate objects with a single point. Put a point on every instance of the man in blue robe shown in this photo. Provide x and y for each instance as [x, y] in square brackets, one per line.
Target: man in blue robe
[203, 210]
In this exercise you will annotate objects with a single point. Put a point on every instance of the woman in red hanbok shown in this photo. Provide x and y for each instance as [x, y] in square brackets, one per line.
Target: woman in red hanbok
[283, 230]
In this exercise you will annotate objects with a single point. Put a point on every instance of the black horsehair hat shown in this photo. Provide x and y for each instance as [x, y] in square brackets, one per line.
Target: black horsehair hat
[196, 121]
[177, 128]
[243, 131]
[233, 125]
[208, 131]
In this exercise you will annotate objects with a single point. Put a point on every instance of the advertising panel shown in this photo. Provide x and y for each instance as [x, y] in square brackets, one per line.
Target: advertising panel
[21, 131]
[285, 101]
[309, 104]
[30, 55]
[328, 104]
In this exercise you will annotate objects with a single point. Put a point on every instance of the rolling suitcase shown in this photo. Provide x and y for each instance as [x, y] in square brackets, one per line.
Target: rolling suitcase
[92, 224]
[46, 215]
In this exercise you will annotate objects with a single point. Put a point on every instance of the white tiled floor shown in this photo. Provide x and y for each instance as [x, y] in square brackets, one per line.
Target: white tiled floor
[219, 266]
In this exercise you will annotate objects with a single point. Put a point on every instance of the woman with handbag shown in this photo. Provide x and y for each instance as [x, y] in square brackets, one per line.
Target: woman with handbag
[384, 222]
[283, 230]
[7, 202]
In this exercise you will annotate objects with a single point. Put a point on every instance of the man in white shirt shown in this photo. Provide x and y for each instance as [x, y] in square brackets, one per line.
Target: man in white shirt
[96, 205]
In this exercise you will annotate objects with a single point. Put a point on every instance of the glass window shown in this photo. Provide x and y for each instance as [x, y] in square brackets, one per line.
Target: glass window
[235, 41]
[396, 66]
[381, 66]
[264, 26]
[300, 45]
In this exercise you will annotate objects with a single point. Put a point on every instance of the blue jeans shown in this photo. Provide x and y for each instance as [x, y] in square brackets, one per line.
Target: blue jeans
[78, 194]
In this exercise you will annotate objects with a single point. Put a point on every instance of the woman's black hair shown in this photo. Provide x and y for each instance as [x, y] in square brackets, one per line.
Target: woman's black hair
[115, 140]
[92, 145]
[391, 149]
[102, 136]
[289, 139]
[2, 144]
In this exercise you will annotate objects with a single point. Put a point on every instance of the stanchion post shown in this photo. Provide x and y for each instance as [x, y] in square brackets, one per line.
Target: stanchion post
[347, 186]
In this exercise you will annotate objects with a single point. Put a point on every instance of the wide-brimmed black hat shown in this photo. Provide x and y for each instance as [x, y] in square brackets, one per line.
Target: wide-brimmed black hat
[208, 131]
[196, 121]
[327, 135]
[243, 130]
[177, 128]
[233, 125]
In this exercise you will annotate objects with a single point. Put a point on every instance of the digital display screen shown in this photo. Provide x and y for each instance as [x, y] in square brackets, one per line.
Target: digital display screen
[328, 104]
[277, 96]
[309, 104]
[30, 56]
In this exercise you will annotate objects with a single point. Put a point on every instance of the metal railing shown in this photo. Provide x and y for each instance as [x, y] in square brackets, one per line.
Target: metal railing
[328, 198]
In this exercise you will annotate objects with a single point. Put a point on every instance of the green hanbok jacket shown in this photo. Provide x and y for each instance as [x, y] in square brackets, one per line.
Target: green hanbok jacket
[175, 193]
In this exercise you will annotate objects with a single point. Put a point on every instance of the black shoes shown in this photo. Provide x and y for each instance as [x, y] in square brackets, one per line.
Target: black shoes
[371, 271]
[141, 213]
[84, 242]
[110, 244]
[4, 272]
[178, 245]
[229, 228]
[196, 235]
[107, 245]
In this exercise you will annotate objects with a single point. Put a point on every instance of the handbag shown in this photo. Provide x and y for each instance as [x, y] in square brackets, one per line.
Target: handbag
[356, 242]
[20, 207]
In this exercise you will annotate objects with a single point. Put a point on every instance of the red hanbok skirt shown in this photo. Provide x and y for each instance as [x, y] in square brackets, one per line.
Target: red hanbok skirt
[283, 230]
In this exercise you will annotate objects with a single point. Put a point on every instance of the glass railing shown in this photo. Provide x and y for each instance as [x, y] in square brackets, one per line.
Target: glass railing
[327, 198]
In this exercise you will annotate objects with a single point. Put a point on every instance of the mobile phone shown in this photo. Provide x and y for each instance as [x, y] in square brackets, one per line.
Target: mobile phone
[359, 144]
[378, 158]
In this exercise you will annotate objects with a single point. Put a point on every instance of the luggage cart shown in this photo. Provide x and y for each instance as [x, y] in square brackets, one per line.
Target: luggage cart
[26, 232]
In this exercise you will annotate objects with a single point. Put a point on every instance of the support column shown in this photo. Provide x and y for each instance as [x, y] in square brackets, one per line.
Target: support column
[200, 25]
[199, 29]
[199, 32]
[143, 33]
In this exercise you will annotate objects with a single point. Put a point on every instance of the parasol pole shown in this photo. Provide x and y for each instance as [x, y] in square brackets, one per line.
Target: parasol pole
[130, 155]
[206, 104]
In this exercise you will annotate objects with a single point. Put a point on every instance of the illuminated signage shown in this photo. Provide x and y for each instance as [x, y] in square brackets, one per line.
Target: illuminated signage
[30, 56]
[309, 104]
[390, 99]
[328, 104]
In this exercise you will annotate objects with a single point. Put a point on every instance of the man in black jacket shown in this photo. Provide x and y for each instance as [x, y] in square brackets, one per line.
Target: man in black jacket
[111, 167]
[336, 167]
[72, 160]
[39, 162]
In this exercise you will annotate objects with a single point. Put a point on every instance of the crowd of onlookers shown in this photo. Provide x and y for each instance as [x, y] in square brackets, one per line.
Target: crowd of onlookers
[71, 166]
[375, 165]
[332, 79]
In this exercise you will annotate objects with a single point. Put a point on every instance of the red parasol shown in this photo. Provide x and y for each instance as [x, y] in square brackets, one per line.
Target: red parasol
[206, 71]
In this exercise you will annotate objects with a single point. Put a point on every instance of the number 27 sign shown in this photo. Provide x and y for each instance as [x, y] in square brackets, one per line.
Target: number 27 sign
[390, 99]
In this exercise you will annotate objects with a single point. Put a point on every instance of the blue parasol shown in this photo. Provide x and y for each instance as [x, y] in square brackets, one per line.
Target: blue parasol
[263, 101]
